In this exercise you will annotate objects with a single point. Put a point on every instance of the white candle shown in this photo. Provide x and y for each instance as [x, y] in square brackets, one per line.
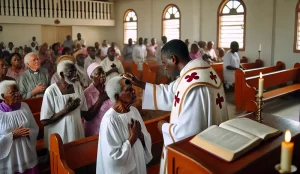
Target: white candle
[259, 48]
[260, 85]
[286, 152]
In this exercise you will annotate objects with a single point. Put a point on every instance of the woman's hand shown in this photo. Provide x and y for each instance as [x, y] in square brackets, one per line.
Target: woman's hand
[71, 104]
[20, 132]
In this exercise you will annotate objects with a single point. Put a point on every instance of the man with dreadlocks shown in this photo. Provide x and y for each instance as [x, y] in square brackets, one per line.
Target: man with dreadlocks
[196, 98]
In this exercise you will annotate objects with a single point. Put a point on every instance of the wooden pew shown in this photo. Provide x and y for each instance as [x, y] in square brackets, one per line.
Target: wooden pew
[35, 105]
[148, 75]
[63, 161]
[273, 79]
[134, 70]
[218, 67]
[127, 66]
[240, 81]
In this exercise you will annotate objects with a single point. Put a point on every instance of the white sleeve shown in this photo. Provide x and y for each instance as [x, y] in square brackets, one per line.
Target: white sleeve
[47, 110]
[6, 142]
[192, 119]
[147, 137]
[134, 54]
[227, 60]
[159, 97]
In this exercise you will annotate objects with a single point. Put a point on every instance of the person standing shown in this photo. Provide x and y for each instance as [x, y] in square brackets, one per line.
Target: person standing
[196, 98]
[139, 54]
[127, 51]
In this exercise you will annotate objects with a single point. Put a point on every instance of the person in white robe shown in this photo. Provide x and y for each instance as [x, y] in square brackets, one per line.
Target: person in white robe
[80, 56]
[18, 132]
[231, 63]
[124, 143]
[139, 54]
[111, 65]
[196, 99]
[62, 105]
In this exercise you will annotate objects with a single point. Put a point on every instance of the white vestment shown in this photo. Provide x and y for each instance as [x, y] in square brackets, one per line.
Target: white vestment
[196, 101]
[106, 65]
[69, 127]
[115, 154]
[17, 155]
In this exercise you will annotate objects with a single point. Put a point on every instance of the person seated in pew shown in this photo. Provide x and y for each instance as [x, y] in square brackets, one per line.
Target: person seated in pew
[231, 63]
[195, 53]
[221, 53]
[196, 98]
[3, 71]
[15, 69]
[34, 81]
[211, 51]
[124, 143]
[62, 105]
[112, 65]
[18, 132]
[96, 99]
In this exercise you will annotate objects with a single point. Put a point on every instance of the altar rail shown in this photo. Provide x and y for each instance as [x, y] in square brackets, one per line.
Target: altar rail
[66, 9]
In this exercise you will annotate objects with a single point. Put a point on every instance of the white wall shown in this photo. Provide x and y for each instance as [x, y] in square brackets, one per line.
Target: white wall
[284, 32]
[20, 34]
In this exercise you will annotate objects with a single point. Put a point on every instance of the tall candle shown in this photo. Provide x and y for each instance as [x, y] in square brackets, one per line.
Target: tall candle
[286, 152]
[260, 85]
[259, 48]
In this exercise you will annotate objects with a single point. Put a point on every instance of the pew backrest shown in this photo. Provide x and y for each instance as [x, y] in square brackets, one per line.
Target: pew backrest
[257, 64]
[254, 72]
[64, 158]
[148, 75]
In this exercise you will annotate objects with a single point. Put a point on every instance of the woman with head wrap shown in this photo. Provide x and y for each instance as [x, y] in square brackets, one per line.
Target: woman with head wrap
[97, 100]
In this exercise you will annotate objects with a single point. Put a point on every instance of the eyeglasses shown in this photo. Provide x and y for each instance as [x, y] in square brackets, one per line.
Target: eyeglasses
[99, 75]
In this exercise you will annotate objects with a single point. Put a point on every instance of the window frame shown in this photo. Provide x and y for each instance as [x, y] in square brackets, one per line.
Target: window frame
[297, 25]
[220, 14]
[163, 19]
[124, 21]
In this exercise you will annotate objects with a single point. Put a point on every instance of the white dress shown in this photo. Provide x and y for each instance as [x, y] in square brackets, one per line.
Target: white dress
[17, 155]
[115, 154]
[106, 65]
[69, 127]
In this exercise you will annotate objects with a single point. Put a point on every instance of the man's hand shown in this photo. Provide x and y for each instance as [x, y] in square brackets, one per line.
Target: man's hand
[133, 79]
[160, 124]
[20, 132]
[40, 88]
[114, 69]
[71, 104]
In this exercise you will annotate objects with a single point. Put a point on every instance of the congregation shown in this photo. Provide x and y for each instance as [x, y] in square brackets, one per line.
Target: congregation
[86, 91]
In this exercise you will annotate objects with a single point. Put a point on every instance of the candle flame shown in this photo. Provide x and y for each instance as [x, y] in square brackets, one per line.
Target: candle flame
[260, 75]
[287, 136]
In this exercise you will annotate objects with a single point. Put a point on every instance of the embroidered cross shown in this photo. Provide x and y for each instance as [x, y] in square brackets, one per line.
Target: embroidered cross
[213, 77]
[219, 101]
[192, 77]
[177, 99]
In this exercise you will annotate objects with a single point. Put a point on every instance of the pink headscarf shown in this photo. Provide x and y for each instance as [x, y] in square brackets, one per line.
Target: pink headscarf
[91, 68]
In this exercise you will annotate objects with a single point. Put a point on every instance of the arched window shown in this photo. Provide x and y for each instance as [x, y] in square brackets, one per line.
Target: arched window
[171, 22]
[297, 29]
[231, 23]
[130, 26]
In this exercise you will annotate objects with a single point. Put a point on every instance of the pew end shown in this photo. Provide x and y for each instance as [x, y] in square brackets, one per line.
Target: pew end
[135, 71]
[62, 160]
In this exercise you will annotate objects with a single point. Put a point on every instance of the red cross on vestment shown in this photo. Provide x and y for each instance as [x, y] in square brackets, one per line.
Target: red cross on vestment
[177, 99]
[213, 77]
[192, 77]
[219, 101]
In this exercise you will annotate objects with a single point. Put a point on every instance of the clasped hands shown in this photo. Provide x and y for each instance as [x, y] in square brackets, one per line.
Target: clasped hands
[72, 104]
[20, 132]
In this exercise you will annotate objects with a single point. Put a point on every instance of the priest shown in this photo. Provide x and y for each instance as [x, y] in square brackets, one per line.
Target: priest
[196, 98]
[124, 143]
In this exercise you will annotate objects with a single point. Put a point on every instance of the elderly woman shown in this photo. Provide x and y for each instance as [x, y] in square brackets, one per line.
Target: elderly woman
[62, 105]
[15, 63]
[80, 57]
[195, 53]
[97, 100]
[18, 132]
[34, 81]
[125, 144]
[3, 71]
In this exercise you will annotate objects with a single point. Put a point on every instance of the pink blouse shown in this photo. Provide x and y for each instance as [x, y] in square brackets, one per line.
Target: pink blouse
[11, 73]
[196, 55]
[91, 94]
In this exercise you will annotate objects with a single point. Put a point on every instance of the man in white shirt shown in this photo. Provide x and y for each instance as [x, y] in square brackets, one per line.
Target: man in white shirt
[89, 60]
[111, 65]
[104, 49]
[34, 40]
[211, 51]
[139, 54]
[231, 63]
[79, 41]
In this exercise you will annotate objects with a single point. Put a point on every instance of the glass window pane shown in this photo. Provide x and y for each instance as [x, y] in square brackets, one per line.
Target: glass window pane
[240, 9]
[167, 15]
[177, 15]
[170, 10]
[134, 18]
[226, 10]
[236, 4]
[230, 4]
[175, 10]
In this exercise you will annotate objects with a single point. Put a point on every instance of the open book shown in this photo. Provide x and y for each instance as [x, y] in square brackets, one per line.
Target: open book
[233, 138]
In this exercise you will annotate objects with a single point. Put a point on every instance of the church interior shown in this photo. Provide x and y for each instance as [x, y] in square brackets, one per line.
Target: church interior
[129, 39]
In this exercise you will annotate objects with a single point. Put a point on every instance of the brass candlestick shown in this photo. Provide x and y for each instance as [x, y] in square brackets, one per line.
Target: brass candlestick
[259, 103]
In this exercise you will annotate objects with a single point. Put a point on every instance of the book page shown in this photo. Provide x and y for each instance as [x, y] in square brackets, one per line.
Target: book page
[224, 143]
[245, 126]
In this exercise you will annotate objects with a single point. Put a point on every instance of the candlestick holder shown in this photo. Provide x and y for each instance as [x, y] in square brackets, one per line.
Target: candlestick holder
[259, 54]
[293, 169]
[259, 103]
